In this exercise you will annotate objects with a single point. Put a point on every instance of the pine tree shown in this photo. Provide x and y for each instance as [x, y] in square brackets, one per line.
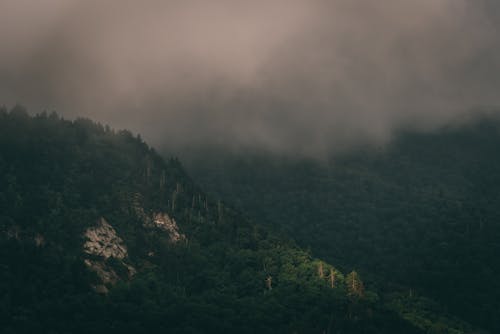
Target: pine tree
[332, 278]
[321, 272]
[355, 287]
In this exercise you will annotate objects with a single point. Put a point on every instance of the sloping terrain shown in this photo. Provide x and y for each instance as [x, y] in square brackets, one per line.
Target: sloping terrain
[99, 234]
[421, 215]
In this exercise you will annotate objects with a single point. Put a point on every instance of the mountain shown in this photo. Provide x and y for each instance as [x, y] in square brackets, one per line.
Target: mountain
[421, 215]
[100, 234]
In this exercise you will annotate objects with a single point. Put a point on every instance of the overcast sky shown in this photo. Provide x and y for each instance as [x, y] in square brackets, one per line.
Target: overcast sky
[306, 76]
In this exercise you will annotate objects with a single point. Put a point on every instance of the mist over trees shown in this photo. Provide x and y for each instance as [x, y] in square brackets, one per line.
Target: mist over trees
[61, 181]
[421, 213]
[290, 76]
[344, 156]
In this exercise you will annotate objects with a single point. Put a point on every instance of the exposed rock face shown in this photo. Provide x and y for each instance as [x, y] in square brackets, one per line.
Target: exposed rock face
[159, 220]
[102, 240]
[165, 223]
[103, 245]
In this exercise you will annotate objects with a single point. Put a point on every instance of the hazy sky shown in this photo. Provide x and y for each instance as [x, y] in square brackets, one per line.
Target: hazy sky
[292, 76]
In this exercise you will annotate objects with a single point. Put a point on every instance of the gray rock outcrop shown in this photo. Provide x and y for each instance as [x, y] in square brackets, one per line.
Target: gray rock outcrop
[102, 240]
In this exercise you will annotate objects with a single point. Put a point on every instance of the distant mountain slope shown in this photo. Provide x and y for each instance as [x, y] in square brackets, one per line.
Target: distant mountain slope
[423, 213]
[98, 234]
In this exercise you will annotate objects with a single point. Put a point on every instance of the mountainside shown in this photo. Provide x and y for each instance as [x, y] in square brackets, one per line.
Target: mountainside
[421, 215]
[99, 234]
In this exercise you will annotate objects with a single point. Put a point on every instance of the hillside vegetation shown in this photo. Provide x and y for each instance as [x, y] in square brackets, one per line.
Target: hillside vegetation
[421, 215]
[99, 234]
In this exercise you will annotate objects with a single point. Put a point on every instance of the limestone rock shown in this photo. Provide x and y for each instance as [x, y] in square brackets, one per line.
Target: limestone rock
[102, 240]
[165, 223]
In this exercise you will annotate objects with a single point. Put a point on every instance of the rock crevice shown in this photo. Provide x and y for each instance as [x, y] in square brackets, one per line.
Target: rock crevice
[103, 244]
[102, 240]
[164, 222]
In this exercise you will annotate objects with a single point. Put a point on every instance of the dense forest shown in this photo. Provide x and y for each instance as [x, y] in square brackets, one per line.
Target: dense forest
[421, 214]
[98, 233]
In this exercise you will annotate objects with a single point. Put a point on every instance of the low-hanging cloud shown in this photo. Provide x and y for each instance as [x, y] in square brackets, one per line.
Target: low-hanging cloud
[283, 75]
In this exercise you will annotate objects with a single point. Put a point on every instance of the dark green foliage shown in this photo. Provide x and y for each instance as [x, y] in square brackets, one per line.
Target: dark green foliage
[427, 315]
[422, 213]
[58, 177]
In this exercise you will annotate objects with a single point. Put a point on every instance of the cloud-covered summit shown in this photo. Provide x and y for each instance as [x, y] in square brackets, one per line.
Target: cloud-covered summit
[288, 76]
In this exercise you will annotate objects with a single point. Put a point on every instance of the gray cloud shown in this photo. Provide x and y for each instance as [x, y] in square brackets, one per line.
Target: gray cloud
[284, 75]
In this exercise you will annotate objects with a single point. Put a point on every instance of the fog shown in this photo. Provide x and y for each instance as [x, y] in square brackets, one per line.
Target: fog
[299, 77]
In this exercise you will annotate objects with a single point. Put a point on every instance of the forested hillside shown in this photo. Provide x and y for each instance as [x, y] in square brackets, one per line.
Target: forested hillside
[99, 234]
[422, 214]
